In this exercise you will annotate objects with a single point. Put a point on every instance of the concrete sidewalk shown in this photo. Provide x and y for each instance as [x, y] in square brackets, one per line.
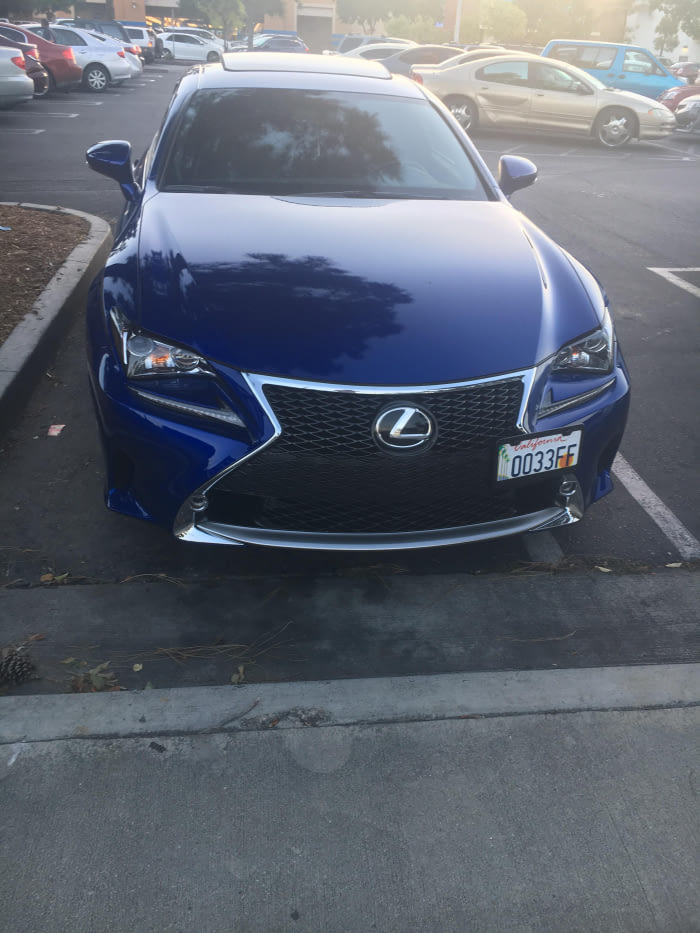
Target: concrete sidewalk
[450, 803]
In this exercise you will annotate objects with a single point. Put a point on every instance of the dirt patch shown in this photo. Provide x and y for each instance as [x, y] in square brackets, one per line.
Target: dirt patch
[34, 244]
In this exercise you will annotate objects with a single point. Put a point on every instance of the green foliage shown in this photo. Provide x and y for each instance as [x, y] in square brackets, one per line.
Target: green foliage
[503, 21]
[677, 15]
[555, 19]
[367, 13]
[227, 14]
[420, 29]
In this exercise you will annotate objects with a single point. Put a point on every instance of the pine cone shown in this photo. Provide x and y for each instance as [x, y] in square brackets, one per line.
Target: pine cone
[15, 667]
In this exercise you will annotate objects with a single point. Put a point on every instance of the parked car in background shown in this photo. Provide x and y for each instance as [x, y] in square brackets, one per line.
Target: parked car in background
[16, 87]
[687, 70]
[108, 27]
[400, 61]
[199, 31]
[323, 324]
[183, 46]
[59, 60]
[674, 95]
[521, 91]
[35, 69]
[273, 43]
[461, 57]
[627, 67]
[102, 60]
[688, 114]
[349, 42]
[146, 40]
[376, 51]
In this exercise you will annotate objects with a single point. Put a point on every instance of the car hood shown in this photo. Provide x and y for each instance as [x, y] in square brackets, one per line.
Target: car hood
[360, 291]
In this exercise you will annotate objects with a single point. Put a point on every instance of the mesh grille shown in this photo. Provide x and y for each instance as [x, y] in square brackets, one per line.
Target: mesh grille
[326, 474]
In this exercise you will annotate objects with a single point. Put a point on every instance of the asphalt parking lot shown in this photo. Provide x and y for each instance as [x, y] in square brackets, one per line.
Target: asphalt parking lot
[630, 215]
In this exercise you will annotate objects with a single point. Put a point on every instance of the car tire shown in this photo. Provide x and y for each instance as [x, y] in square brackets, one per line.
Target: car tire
[44, 91]
[464, 111]
[167, 55]
[213, 57]
[96, 78]
[614, 127]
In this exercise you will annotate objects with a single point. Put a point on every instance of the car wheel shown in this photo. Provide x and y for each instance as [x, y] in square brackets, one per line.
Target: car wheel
[464, 111]
[213, 57]
[614, 127]
[43, 89]
[166, 54]
[95, 78]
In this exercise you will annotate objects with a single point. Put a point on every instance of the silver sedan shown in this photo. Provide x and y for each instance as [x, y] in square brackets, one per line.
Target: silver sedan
[526, 91]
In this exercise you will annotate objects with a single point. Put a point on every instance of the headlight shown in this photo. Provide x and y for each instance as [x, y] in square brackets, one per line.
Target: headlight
[143, 355]
[592, 354]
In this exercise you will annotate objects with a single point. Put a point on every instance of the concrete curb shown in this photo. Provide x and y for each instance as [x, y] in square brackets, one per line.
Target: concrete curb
[261, 707]
[33, 342]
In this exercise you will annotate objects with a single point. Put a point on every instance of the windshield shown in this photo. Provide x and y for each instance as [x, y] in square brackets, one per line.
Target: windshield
[287, 141]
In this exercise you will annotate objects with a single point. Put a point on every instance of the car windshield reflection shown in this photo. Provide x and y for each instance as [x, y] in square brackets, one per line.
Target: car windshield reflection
[304, 142]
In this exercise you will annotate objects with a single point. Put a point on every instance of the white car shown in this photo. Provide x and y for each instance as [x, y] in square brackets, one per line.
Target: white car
[102, 58]
[376, 51]
[16, 86]
[184, 46]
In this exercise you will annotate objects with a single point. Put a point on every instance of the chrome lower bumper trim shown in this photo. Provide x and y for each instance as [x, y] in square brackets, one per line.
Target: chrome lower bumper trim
[204, 531]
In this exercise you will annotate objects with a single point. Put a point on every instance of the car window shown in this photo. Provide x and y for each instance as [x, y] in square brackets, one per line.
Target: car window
[505, 73]
[347, 44]
[422, 56]
[13, 34]
[67, 36]
[288, 141]
[640, 63]
[551, 78]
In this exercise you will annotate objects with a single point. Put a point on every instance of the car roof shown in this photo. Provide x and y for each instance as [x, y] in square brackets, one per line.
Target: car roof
[306, 64]
[612, 45]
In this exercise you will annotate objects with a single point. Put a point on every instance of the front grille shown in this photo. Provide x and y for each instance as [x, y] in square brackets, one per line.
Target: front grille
[325, 474]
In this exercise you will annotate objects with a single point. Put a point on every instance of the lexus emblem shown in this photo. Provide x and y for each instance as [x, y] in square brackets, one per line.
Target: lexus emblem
[404, 428]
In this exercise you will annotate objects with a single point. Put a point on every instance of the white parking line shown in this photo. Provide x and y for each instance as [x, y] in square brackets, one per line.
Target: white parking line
[15, 131]
[670, 276]
[45, 113]
[685, 543]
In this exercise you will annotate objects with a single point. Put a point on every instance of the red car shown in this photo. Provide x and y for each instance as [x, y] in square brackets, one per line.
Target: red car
[674, 95]
[58, 60]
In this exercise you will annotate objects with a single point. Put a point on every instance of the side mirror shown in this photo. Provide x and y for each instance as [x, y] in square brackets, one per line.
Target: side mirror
[515, 173]
[113, 159]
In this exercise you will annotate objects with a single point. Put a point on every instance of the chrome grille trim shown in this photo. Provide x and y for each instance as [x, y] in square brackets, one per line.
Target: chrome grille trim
[189, 525]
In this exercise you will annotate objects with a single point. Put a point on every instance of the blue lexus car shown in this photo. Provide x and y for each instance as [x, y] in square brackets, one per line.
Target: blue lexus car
[323, 325]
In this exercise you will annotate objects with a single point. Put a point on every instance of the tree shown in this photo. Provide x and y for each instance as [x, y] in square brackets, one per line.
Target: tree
[503, 20]
[678, 15]
[367, 13]
[226, 14]
[547, 19]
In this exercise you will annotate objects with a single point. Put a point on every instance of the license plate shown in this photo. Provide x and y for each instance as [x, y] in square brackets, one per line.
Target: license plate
[540, 454]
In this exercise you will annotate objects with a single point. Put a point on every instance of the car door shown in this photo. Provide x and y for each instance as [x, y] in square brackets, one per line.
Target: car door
[503, 92]
[641, 73]
[81, 50]
[189, 47]
[560, 99]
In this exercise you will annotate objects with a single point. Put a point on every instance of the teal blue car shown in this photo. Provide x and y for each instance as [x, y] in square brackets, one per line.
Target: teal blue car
[618, 65]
